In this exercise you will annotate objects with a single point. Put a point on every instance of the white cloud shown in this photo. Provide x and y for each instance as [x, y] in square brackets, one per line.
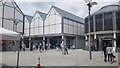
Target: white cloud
[77, 7]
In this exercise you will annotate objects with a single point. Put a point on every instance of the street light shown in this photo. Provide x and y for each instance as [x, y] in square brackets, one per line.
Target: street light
[90, 4]
[16, 21]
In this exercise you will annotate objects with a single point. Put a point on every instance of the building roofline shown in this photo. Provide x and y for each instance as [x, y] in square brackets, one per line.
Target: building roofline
[97, 12]
[67, 12]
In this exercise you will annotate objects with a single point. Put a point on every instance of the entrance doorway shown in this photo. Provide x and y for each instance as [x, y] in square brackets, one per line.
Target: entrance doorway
[107, 42]
[54, 41]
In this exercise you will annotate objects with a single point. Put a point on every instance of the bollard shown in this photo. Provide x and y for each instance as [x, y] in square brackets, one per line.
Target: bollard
[38, 65]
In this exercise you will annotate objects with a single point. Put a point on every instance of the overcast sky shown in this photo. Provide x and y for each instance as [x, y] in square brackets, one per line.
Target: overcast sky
[77, 7]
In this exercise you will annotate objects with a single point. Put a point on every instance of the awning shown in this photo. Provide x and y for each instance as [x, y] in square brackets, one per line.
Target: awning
[8, 34]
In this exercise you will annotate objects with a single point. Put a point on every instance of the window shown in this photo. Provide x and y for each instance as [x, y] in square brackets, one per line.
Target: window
[99, 22]
[98, 17]
[108, 22]
[118, 23]
[99, 25]
[118, 20]
[108, 15]
[118, 14]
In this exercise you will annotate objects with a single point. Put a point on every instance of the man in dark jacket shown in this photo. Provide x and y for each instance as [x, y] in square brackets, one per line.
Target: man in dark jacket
[104, 51]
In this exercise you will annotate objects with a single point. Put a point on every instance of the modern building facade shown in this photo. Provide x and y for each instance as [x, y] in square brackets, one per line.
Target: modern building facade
[104, 27]
[55, 27]
[11, 16]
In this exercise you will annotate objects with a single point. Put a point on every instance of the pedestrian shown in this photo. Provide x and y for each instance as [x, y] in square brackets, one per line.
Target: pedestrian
[46, 47]
[57, 47]
[34, 47]
[73, 46]
[40, 47]
[62, 48]
[43, 47]
[110, 53]
[23, 46]
[104, 51]
[113, 57]
[66, 50]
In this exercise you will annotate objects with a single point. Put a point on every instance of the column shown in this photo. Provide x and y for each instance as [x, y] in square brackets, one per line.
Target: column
[103, 21]
[75, 41]
[114, 21]
[86, 40]
[114, 28]
[95, 42]
[63, 43]
[94, 24]
[30, 46]
[114, 41]
[64, 40]
[43, 41]
[30, 43]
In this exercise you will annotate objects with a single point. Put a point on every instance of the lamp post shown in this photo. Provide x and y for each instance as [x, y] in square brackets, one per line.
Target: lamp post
[90, 4]
[16, 21]
[44, 33]
[30, 37]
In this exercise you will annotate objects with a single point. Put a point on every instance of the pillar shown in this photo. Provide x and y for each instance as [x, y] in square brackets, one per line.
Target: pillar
[43, 41]
[30, 44]
[95, 41]
[63, 43]
[64, 40]
[86, 38]
[114, 41]
[75, 41]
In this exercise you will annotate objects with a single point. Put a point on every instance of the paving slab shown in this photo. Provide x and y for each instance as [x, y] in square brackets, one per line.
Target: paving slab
[77, 57]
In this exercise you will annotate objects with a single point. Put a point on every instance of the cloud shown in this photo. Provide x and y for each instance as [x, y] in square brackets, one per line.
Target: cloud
[77, 7]
[30, 8]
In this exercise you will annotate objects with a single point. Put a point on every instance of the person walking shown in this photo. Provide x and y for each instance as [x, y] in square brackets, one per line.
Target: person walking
[34, 47]
[23, 46]
[40, 47]
[66, 50]
[104, 51]
[57, 48]
[73, 46]
[62, 48]
[45, 47]
[110, 53]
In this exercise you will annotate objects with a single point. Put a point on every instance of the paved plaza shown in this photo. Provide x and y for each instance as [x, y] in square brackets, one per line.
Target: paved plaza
[76, 57]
